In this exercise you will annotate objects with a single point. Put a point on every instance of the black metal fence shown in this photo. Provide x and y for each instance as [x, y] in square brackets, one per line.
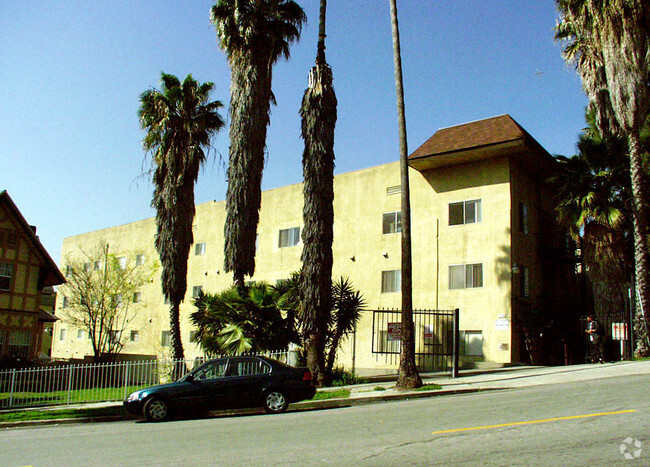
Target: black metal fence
[434, 337]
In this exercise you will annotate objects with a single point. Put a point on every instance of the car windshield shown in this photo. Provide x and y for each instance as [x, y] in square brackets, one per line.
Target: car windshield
[212, 370]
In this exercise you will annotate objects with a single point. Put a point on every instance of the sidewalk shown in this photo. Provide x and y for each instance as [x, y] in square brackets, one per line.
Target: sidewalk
[383, 389]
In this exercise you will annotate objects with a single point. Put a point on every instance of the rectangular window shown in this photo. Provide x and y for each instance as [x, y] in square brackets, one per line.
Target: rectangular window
[20, 343]
[525, 281]
[135, 336]
[81, 333]
[392, 222]
[96, 266]
[166, 339]
[86, 267]
[523, 218]
[465, 212]
[471, 343]
[466, 276]
[6, 273]
[121, 261]
[62, 333]
[139, 260]
[393, 190]
[289, 237]
[137, 297]
[199, 249]
[196, 291]
[391, 281]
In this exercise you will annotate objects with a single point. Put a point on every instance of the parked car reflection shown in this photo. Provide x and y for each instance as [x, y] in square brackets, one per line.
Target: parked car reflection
[230, 382]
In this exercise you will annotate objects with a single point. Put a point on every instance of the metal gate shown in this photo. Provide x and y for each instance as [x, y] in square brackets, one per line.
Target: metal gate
[618, 337]
[434, 337]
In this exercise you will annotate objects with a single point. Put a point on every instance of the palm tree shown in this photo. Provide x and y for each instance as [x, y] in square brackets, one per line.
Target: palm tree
[593, 204]
[408, 372]
[609, 41]
[318, 114]
[180, 121]
[254, 34]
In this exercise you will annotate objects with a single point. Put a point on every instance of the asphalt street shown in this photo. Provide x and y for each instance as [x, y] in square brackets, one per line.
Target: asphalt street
[588, 422]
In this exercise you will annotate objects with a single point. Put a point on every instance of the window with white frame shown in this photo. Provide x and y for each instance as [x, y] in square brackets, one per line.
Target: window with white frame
[135, 336]
[199, 249]
[391, 222]
[6, 274]
[465, 212]
[471, 343]
[139, 260]
[137, 297]
[289, 237]
[81, 333]
[96, 265]
[196, 291]
[121, 261]
[62, 333]
[391, 281]
[166, 339]
[466, 276]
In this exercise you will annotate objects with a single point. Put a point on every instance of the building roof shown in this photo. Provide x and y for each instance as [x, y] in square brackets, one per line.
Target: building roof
[50, 273]
[494, 137]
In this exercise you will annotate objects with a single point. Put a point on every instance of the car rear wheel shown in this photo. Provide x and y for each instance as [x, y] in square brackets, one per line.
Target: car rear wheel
[275, 401]
[156, 410]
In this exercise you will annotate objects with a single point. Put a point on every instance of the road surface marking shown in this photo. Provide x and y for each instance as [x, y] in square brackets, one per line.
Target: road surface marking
[545, 420]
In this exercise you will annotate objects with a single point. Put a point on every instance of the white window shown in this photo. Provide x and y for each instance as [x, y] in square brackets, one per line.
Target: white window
[199, 249]
[121, 261]
[139, 260]
[81, 333]
[465, 212]
[471, 343]
[62, 333]
[392, 222]
[166, 339]
[289, 237]
[135, 336]
[96, 266]
[196, 291]
[391, 281]
[6, 273]
[466, 276]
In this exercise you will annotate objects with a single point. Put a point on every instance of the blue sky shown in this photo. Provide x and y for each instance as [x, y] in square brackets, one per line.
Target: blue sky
[71, 74]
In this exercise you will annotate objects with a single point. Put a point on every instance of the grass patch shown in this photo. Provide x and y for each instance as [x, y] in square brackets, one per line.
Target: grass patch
[429, 387]
[57, 414]
[379, 388]
[338, 394]
[76, 396]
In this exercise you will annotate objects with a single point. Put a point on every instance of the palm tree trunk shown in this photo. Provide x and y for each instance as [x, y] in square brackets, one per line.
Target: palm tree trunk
[249, 114]
[318, 114]
[408, 373]
[175, 332]
[640, 222]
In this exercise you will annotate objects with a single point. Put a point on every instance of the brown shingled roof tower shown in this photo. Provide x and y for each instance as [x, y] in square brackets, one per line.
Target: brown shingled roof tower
[494, 137]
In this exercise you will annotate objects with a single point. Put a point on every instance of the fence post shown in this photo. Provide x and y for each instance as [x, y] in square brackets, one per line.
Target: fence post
[13, 386]
[126, 379]
[455, 343]
[70, 369]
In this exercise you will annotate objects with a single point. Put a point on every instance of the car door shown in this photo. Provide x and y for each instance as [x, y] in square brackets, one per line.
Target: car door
[248, 378]
[210, 381]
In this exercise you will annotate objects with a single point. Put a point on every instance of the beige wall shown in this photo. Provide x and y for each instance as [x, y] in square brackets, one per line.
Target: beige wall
[361, 198]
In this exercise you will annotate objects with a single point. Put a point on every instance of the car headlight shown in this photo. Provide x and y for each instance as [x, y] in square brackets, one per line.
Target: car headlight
[134, 396]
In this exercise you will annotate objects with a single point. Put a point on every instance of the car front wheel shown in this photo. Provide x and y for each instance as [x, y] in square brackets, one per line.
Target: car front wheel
[275, 401]
[156, 410]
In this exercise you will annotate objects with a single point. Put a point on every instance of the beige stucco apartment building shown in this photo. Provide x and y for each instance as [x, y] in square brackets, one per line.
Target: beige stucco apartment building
[480, 218]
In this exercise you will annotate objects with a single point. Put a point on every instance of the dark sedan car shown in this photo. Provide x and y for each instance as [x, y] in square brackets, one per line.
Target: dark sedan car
[231, 382]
